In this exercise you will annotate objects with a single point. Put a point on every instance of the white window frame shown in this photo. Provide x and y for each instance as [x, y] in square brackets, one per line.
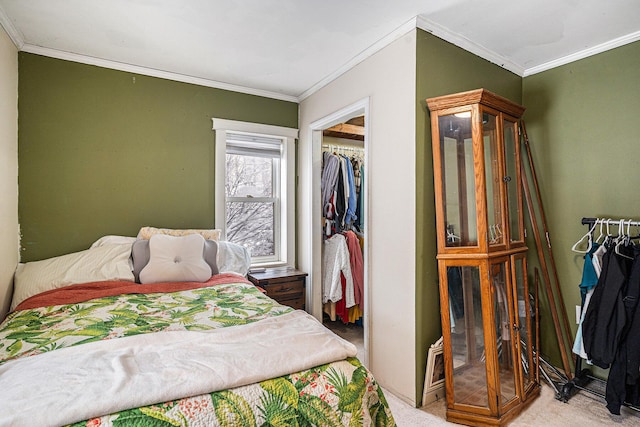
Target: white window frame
[285, 222]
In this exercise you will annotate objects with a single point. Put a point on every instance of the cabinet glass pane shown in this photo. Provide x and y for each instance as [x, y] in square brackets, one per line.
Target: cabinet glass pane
[511, 158]
[458, 185]
[502, 313]
[493, 176]
[467, 336]
[523, 307]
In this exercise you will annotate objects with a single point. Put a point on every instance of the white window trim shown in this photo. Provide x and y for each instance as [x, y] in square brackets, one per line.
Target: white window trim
[288, 199]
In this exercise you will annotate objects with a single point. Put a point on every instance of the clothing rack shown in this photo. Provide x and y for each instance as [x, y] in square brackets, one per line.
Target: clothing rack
[591, 222]
[353, 151]
[583, 379]
[336, 147]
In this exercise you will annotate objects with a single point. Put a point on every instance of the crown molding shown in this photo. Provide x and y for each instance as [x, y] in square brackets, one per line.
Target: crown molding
[468, 45]
[603, 47]
[121, 66]
[417, 22]
[13, 33]
[408, 26]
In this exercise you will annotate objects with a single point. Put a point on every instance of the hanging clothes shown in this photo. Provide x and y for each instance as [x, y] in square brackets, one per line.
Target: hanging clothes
[355, 314]
[590, 275]
[350, 215]
[340, 193]
[622, 383]
[356, 164]
[358, 169]
[346, 190]
[343, 292]
[330, 169]
[357, 265]
[340, 199]
[329, 181]
[605, 317]
[610, 324]
[335, 262]
[596, 259]
[341, 309]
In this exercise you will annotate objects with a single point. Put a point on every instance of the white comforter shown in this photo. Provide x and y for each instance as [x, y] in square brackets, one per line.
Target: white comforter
[81, 382]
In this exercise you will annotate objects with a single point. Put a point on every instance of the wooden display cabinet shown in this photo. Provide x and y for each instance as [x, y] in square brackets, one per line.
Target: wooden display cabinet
[482, 267]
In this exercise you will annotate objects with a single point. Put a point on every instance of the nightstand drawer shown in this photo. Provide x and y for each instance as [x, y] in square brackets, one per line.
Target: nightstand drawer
[285, 290]
[285, 285]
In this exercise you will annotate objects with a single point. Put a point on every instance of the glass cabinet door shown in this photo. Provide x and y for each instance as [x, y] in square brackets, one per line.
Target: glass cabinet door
[493, 179]
[500, 283]
[467, 336]
[512, 178]
[458, 180]
[523, 308]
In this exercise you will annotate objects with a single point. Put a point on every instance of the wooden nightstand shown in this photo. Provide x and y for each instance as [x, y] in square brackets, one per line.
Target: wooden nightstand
[285, 285]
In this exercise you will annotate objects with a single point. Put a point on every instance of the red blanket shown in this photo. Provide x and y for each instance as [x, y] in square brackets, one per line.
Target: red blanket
[86, 291]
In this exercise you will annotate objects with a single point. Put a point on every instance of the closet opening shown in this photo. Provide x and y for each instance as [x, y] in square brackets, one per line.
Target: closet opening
[343, 230]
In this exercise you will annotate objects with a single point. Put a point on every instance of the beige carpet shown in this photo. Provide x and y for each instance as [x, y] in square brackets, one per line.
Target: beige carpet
[582, 410]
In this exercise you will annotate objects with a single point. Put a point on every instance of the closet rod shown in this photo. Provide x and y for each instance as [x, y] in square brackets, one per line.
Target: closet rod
[342, 147]
[591, 221]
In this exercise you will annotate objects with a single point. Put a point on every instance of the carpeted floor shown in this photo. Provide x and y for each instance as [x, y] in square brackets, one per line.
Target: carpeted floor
[582, 410]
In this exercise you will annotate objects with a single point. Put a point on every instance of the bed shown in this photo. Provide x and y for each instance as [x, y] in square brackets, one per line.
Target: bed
[87, 345]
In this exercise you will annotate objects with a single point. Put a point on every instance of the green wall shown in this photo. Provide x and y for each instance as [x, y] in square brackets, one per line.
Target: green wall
[442, 69]
[581, 120]
[106, 152]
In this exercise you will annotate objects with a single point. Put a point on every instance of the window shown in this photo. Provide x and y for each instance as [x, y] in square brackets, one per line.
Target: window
[255, 194]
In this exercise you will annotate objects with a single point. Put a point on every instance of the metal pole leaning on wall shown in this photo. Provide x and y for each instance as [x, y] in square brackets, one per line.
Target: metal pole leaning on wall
[556, 302]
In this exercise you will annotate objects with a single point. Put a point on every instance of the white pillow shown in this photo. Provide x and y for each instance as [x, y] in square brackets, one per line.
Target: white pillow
[233, 258]
[147, 232]
[176, 259]
[113, 240]
[107, 262]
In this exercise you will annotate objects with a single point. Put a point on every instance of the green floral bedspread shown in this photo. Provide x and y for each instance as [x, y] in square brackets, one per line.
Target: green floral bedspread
[338, 394]
[34, 331]
[341, 393]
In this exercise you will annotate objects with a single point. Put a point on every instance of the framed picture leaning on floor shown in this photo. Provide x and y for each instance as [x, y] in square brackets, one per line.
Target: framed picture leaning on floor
[434, 377]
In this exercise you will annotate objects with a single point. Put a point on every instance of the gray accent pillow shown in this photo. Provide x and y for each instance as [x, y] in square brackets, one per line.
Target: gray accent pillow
[211, 255]
[140, 254]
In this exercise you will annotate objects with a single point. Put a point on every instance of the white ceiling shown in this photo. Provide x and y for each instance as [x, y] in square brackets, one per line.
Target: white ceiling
[287, 49]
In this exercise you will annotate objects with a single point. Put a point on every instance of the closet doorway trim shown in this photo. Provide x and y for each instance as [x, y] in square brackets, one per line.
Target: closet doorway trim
[314, 291]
